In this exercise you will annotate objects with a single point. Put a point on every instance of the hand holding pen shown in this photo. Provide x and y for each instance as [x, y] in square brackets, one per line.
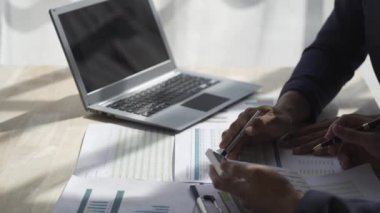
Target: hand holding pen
[367, 126]
[354, 131]
[269, 125]
[239, 137]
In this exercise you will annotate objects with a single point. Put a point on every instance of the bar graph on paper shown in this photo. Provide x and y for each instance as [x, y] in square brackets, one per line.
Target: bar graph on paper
[92, 204]
[88, 205]
[154, 209]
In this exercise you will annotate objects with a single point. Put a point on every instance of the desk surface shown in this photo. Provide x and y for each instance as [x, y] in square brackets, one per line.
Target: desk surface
[43, 123]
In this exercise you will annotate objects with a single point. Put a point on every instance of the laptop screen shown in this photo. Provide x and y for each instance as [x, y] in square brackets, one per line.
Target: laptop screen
[112, 40]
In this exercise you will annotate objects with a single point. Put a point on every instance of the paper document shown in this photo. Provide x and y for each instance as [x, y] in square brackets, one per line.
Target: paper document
[191, 164]
[359, 182]
[106, 195]
[308, 165]
[110, 150]
[191, 145]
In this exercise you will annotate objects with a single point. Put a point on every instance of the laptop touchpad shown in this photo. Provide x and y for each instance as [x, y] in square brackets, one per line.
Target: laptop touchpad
[205, 102]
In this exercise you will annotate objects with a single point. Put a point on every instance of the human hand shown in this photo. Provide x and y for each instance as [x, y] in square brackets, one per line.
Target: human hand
[270, 125]
[357, 147]
[258, 187]
[304, 139]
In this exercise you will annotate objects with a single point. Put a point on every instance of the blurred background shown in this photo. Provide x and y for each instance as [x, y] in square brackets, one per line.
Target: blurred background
[238, 34]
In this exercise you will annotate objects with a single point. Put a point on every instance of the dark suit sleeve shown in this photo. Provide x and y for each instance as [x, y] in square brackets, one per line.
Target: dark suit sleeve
[330, 61]
[315, 201]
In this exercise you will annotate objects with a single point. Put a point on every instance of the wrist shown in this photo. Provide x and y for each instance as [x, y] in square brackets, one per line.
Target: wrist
[295, 105]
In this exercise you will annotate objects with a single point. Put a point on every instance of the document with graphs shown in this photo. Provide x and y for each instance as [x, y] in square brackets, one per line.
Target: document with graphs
[112, 195]
[137, 196]
[191, 164]
[190, 146]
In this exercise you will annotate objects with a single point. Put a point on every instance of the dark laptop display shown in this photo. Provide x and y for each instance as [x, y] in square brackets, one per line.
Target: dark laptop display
[113, 40]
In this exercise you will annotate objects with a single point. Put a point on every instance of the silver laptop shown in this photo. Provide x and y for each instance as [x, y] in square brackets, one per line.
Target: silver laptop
[123, 67]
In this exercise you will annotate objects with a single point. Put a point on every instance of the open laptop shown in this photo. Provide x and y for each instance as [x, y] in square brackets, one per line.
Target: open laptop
[123, 67]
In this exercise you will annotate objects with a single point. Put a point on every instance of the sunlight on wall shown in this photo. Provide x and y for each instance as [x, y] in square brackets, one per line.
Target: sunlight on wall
[214, 33]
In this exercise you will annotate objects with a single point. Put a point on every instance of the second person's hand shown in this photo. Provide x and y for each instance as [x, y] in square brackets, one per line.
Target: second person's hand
[357, 147]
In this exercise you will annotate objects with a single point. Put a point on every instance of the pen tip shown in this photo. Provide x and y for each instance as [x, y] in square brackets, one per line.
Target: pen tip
[317, 147]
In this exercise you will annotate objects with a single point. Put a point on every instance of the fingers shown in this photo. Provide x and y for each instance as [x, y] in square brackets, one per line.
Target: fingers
[234, 154]
[257, 124]
[346, 156]
[238, 177]
[236, 126]
[349, 135]
[347, 130]
[243, 170]
[352, 120]
[236, 169]
[301, 140]
[333, 150]
[350, 155]
[344, 160]
[233, 185]
[309, 134]
[310, 129]
[307, 148]
[269, 126]
[322, 152]
[305, 144]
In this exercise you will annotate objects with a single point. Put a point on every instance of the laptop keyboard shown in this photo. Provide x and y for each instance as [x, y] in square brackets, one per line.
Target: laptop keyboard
[163, 95]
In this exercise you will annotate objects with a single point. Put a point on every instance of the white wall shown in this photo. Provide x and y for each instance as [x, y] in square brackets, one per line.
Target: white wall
[201, 33]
